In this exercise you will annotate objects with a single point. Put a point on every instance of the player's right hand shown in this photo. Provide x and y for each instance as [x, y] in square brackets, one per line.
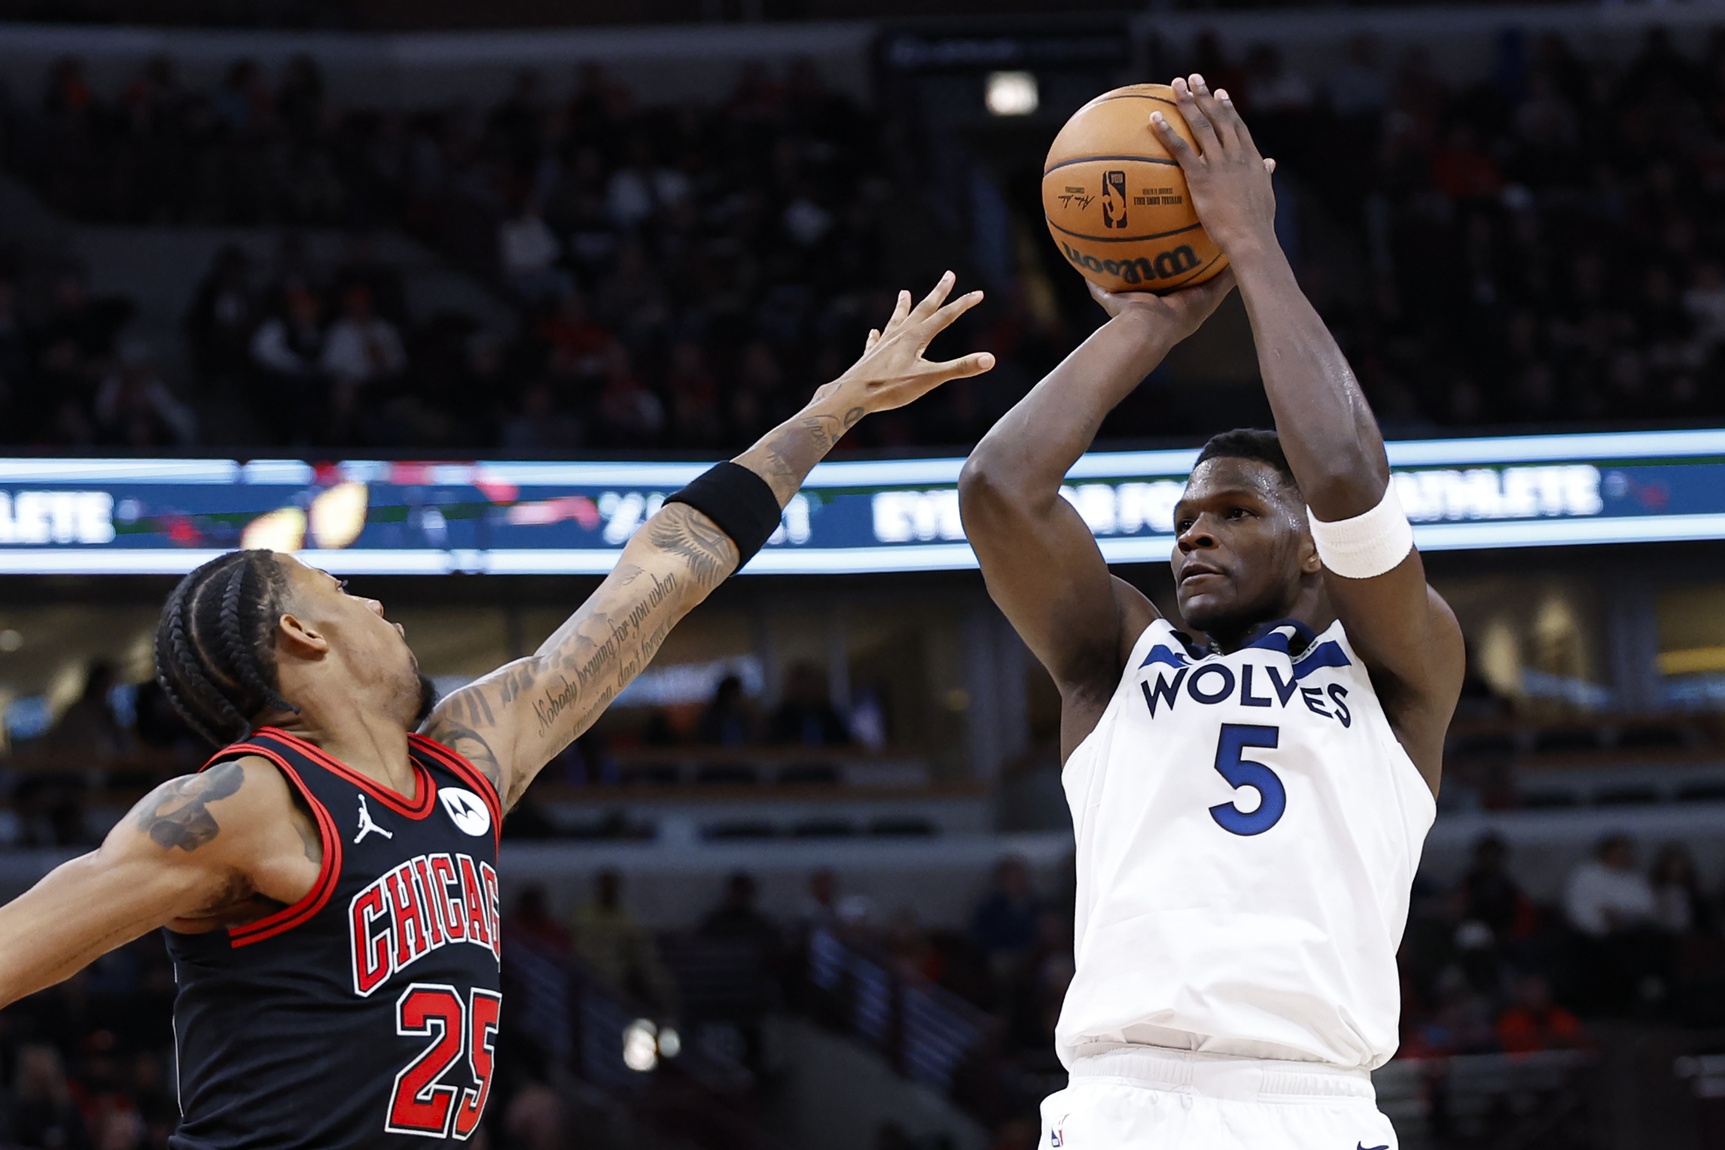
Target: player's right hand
[892, 371]
[1228, 177]
[1175, 315]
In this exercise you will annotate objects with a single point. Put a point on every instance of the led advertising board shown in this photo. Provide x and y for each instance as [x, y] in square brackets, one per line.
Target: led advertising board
[124, 516]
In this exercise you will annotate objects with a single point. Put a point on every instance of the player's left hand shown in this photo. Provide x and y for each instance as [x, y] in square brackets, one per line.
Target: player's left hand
[1175, 315]
[892, 370]
[1228, 177]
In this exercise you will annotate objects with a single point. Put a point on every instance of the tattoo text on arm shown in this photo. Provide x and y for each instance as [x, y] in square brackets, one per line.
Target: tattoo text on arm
[177, 814]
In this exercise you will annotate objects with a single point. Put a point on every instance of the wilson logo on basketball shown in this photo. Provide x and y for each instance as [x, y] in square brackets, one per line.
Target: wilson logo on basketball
[422, 905]
[1171, 264]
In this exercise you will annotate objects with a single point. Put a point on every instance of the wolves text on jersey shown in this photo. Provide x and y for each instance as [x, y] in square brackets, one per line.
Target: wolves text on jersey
[1210, 683]
[426, 903]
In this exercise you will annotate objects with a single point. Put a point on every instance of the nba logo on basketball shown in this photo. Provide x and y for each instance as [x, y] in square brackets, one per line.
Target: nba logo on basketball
[1114, 199]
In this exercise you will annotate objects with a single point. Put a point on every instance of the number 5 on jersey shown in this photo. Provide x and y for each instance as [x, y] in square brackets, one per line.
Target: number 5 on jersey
[1243, 772]
[421, 1103]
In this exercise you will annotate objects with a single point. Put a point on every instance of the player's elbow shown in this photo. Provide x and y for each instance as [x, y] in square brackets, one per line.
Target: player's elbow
[988, 485]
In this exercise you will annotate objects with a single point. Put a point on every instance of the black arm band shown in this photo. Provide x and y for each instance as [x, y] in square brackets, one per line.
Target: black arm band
[739, 501]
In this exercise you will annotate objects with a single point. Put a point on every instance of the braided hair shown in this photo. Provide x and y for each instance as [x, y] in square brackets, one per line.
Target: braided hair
[215, 644]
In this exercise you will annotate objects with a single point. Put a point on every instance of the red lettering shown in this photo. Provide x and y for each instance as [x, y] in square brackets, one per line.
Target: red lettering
[478, 922]
[442, 878]
[411, 937]
[493, 911]
[433, 904]
[370, 952]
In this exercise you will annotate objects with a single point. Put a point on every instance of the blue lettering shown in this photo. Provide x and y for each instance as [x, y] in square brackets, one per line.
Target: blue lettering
[1165, 690]
[1247, 699]
[1218, 696]
[1314, 700]
[1337, 694]
[1284, 691]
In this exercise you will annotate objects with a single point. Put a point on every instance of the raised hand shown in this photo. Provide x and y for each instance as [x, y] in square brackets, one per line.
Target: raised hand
[1177, 314]
[1228, 177]
[892, 371]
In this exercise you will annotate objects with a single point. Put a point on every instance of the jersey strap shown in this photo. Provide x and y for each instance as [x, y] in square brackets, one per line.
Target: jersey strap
[459, 765]
[263, 743]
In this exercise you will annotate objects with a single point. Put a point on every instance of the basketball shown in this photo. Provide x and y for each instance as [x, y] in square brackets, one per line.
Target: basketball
[1116, 201]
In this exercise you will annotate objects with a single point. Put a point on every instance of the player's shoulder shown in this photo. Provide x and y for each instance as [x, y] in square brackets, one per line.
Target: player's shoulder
[219, 808]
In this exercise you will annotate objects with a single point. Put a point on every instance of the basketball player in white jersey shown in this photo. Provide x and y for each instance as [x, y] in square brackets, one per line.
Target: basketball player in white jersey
[1249, 809]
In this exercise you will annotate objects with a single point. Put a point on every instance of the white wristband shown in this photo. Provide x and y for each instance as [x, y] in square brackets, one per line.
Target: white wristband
[1366, 545]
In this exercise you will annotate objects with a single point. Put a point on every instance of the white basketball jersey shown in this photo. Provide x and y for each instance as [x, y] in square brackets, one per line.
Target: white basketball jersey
[1248, 829]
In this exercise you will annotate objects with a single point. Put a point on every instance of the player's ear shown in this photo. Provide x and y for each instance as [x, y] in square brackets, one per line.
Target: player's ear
[300, 637]
[1310, 564]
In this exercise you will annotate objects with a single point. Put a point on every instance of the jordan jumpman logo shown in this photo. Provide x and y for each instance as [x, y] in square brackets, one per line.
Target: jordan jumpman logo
[366, 826]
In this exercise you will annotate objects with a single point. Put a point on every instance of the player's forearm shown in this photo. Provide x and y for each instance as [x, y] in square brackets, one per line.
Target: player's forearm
[61, 925]
[1027, 454]
[786, 454]
[1326, 426]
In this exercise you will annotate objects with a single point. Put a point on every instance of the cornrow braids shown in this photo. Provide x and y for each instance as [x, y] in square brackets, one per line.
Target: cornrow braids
[215, 644]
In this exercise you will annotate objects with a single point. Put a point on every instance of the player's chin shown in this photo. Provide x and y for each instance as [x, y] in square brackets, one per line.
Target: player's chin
[1207, 611]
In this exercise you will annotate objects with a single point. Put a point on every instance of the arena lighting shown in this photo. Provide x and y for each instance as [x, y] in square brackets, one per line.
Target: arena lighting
[380, 517]
[1011, 94]
[640, 1046]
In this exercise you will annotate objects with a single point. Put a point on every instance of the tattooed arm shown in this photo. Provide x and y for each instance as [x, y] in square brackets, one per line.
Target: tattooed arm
[198, 853]
[512, 721]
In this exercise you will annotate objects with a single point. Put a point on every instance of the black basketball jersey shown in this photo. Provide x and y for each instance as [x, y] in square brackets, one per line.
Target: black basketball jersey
[365, 1015]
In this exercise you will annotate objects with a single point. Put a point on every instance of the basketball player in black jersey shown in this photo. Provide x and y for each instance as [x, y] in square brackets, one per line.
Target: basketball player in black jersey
[328, 882]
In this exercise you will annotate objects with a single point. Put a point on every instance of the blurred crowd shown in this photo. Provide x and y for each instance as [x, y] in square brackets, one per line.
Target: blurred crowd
[1542, 248]
[1486, 969]
[681, 277]
[1545, 247]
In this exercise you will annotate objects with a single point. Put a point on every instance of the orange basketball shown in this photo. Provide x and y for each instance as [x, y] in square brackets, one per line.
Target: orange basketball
[1116, 201]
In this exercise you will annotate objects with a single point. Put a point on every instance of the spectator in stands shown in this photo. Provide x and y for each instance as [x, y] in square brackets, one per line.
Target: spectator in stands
[532, 925]
[1608, 893]
[287, 352]
[1680, 907]
[621, 951]
[361, 351]
[1612, 907]
[43, 1111]
[362, 267]
[89, 729]
[220, 320]
[1005, 924]
[820, 910]
[806, 716]
[737, 916]
[134, 407]
[528, 254]
[1493, 897]
[912, 953]
[729, 719]
[1534, 1022]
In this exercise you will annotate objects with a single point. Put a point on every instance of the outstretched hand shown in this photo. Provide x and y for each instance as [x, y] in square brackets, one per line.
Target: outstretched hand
[1228, 177]
[1178, 313]
[892, 371]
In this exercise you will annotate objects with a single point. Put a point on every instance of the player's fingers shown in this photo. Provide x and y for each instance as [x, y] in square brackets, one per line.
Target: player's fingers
[1214, 111]
[899, 311]
[932, 301]
[964, 367]
[1270, 164]
[942, 319]
[1202, 130]
[1185, 154]
[873, 338]
[1231, 115]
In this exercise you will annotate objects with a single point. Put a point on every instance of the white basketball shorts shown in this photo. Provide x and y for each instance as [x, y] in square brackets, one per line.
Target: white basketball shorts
[1149, 1098]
